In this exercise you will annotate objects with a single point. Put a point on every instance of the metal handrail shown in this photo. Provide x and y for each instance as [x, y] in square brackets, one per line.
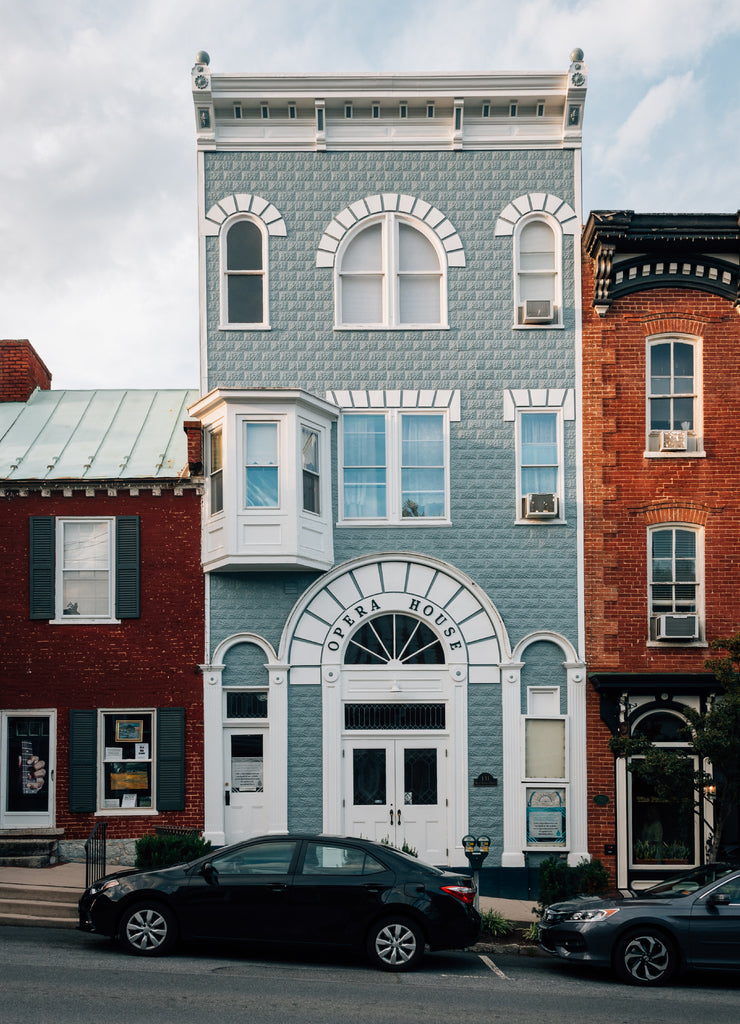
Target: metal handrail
[95, 853]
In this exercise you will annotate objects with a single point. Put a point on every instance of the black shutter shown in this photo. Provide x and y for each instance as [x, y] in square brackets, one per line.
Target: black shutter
[42, 545]
[170, 759]
[127, 567]
[83, 757]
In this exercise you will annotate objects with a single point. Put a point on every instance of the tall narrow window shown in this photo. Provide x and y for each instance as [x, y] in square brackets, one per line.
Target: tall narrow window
[390, 275]
[245, 274]
[673, 579]
[537, 274]
[422, 466]
[216, 472]
[86, 568]
[310, 460]
[261, 465]
[539, 452]
[364, 466]
[672, 394]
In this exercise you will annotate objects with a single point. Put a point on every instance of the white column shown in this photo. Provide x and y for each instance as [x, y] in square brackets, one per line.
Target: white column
[511, 713]
[213, 755]
[332, 728]
[277, 766]
[577, 838]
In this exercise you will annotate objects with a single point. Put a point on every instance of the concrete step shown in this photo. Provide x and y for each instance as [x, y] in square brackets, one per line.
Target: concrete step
[23, 906]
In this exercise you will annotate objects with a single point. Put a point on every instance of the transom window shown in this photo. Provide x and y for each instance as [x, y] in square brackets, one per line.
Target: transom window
[244, 286]
[390, 274]
[400, 639]
[395, 466]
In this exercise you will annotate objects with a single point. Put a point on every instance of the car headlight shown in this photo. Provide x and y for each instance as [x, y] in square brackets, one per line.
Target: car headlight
[99, 887]
[591, 915]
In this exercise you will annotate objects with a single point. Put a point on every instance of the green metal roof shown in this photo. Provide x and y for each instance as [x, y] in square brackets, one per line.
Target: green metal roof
[95, 435]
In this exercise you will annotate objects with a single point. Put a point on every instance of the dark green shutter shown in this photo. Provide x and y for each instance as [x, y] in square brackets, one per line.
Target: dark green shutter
[83, 757]
[42, 544]
[127, 567]
[171, 759]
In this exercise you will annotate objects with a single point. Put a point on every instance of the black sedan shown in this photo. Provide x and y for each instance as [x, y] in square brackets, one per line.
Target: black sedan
[689, 921]
[291, 889]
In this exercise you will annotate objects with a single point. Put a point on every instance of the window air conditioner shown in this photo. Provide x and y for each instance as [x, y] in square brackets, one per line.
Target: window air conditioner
[676, 627]
[540, 506]
[674, 440]
[538, 311]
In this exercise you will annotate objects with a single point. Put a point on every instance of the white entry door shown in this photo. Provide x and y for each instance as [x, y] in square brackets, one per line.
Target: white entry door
[245, 757]
[395, 791]
[27, 792]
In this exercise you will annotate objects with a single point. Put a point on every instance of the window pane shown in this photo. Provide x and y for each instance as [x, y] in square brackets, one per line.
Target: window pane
[683, 360]
[369, 778]
[85, 545]
[536, 237]
[415, 251]
[364, 440]
[244, 246]
[542, 480]
[660, 360]
[683, 414]
[544, 748]
[685, 544]
[262, 488]
[419, 300]
[537, 286]
[260, 859]
[662, 543]
[85, 569]
[364, 252]
[660, 414]
[364, 493]
[422, 442]
[310, 450]
[422, 493]
[362, 300]
[262, 444]
[245, 298]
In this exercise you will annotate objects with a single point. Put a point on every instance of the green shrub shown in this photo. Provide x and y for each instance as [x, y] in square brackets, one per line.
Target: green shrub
[495, 924]
[163, 851]
[559, 881]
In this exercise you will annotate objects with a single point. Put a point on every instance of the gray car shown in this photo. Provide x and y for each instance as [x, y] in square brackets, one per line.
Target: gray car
[691, 921]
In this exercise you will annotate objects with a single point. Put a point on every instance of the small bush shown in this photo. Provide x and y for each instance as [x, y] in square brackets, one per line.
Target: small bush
[164, 851]
[559, 881]
[495, 924]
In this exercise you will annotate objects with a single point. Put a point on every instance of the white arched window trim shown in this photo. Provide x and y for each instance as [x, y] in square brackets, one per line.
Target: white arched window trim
[225, 323]
[390, 274]
[539, 319]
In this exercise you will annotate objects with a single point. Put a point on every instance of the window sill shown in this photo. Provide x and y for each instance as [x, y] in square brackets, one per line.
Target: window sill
[244, 327]
[127, 812]
[540, 522]
[391, 327]
[677, 643]
[538, 327]
[79, 620]
[674, 455]
[385, 523]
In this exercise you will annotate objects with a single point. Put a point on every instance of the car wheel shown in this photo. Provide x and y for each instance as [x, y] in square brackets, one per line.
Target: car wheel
[148, 929]
[645, 957]
[395, 944]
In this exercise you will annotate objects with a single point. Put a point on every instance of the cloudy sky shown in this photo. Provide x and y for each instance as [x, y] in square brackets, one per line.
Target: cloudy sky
[97, 177]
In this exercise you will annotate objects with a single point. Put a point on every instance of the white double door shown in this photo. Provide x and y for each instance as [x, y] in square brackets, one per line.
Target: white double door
[395, 791]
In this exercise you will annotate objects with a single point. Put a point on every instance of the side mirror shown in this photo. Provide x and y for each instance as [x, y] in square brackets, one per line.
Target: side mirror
[209, 872]
[718, 899]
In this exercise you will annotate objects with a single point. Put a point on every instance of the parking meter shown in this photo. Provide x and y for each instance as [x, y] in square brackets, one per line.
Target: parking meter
[476, 850]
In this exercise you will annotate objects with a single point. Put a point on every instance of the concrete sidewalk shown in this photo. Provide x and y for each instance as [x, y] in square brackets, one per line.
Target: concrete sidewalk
[72, 876]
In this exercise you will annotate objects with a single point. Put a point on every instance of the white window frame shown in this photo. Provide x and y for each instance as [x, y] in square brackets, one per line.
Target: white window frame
[393, 466]
[267, 421]
[316, 474]
[390, 297]
[699, 582]
[76, 620]
[548, 782]
[102, 761]
[557, 412]
[695, 436]
[215, 430]
[226, 273]
[556, 273]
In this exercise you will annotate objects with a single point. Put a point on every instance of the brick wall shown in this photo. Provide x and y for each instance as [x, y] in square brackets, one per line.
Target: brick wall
[146, 662]
[21, 371]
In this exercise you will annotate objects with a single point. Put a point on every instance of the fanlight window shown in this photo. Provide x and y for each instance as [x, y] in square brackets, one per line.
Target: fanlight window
[400, 639]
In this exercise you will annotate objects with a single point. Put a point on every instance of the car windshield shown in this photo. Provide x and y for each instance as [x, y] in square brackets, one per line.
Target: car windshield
[690, 881]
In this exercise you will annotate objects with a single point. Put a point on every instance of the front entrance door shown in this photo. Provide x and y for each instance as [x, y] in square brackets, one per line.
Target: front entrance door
[245, 756]
[27, 744]
[394, 791]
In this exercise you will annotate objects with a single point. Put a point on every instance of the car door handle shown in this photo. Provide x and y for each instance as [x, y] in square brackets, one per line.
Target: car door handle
[373, 888]
[278, 887]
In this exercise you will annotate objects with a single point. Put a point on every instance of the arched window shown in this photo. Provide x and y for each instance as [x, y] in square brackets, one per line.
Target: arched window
[394, 638]
[390, 274]
[538, 285]
[244, 276]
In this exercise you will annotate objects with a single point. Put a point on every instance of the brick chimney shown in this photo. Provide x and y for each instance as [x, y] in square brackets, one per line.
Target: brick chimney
[21, 371]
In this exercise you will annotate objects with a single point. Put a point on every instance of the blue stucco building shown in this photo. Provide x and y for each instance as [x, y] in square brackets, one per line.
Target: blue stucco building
[390, 351]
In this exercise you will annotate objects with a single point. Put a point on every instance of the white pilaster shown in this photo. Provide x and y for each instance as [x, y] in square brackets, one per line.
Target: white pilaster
[511, 709]
[213, 756]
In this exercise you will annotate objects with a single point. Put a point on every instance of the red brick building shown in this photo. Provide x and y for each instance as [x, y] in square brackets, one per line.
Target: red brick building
[661, 400]
[101, 611]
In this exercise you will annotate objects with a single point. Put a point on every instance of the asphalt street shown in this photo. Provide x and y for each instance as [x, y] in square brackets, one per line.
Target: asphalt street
[52, 976]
